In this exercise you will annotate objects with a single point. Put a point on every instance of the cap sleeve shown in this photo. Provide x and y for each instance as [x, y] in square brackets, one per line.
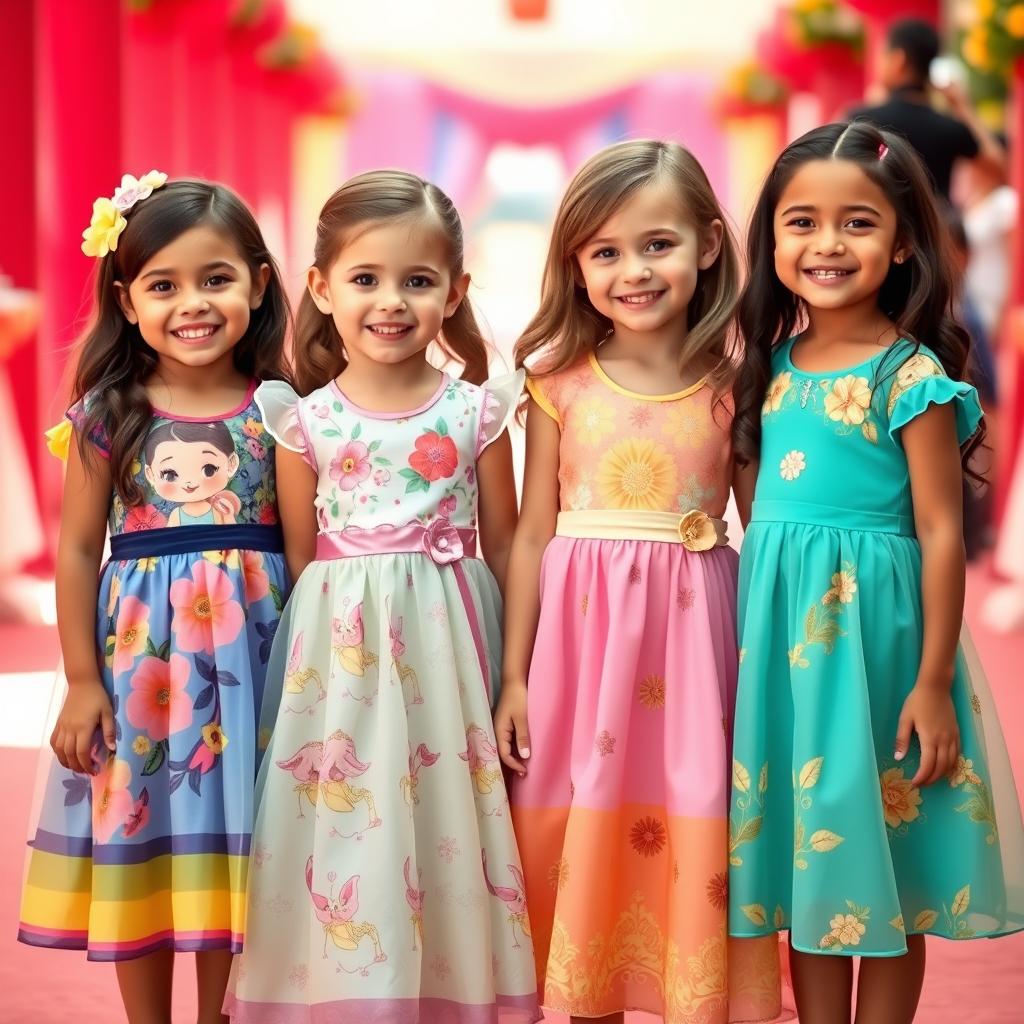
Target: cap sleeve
[921, 382]
[541, 391]
[77, 416]
[279, 405]
[500, 400]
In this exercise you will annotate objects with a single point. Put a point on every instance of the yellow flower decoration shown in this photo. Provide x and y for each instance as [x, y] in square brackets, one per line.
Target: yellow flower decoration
[593, 420]
[637, 473]
[963, 771]
[141, 745]
[844, 586]
[214, 738]
[58, 440]
[848, 400]
[900, 797]
[777, 392]
[107, 223]
[697, 531]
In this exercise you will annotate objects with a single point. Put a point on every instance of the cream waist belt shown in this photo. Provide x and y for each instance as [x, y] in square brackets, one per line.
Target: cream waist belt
[695, 530]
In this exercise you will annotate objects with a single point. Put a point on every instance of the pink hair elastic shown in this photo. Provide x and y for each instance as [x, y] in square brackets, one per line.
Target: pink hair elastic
[882, 150]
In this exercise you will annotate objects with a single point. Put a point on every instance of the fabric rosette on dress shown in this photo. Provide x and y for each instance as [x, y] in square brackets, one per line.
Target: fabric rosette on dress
[829, 836]
[386, 882]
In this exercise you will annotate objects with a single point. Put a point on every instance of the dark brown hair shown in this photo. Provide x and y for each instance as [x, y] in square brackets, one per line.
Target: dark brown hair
[114, 361]
[215, 433]
[916, 295]
[318, 351]
[567, 325]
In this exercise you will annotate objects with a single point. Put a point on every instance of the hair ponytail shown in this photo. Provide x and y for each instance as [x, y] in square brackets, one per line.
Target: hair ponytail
[462, 339]
[316, 348]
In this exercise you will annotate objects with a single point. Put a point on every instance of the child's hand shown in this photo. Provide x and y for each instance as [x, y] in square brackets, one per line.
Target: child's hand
[509, 721]
[86, 709]
[929, 712]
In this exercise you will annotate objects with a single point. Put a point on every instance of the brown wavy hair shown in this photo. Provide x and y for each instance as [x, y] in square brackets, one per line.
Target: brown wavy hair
[114, 362]
[319, 351]
[567, 325]
[917, 295]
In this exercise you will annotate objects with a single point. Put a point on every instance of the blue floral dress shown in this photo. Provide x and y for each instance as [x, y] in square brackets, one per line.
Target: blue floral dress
[152, 852]
[829, 837]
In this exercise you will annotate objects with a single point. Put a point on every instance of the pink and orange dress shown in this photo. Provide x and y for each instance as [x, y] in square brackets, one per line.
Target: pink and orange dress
[622, 816]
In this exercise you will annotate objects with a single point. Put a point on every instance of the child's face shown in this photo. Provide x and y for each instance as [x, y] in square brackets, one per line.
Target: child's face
[389, 290]
[640, 268]
[835, 235]
[184, 471]
[193, 299]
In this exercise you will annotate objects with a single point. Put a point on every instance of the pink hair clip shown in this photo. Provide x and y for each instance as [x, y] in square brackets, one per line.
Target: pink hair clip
[882, 150]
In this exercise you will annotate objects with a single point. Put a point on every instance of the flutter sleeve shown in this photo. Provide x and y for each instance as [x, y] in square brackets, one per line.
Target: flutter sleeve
[500, 400]
[920, 382]
[58, 438]
[282, 416]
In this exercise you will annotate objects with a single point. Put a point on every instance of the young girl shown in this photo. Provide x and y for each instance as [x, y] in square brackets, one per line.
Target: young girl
[621, 605]
[870, 804]
[387, 884]
[143, 840]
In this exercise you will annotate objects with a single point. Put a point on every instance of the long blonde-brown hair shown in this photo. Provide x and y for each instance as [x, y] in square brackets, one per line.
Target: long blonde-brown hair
[567, 325]
[318, 351]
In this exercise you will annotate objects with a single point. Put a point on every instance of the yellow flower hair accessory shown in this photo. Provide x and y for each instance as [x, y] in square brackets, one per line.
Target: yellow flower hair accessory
[108, 220]
[107, 223]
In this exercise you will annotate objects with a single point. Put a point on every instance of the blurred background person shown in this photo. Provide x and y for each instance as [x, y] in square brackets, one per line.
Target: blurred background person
[912, 44]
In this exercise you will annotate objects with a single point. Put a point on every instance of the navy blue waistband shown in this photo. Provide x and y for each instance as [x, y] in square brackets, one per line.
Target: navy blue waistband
[184, 540]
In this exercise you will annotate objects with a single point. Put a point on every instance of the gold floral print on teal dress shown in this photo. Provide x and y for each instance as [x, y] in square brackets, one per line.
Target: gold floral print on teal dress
[846, 929]
[821, 840]
[917, 368]
[844, 401]
[954, 922]
[745, 822]
[851, 855]
[978, 806]
[821, 624]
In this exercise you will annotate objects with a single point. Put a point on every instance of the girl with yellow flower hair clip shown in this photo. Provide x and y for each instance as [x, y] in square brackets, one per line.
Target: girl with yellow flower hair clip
[871, 796]
[143, 838]
[620, 656]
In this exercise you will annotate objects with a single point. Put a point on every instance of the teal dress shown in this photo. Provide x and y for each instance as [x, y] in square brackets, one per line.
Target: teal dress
[829, 838]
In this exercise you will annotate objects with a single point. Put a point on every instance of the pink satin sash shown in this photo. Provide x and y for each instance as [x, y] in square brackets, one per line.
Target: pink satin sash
[439, 540]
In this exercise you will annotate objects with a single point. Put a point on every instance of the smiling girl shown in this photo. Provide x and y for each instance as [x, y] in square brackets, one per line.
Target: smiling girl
[143, 840]
[387, 884]
[620, 662]
[871, 797]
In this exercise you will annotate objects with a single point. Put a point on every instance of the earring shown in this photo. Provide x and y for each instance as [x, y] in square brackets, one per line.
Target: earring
[900, 258]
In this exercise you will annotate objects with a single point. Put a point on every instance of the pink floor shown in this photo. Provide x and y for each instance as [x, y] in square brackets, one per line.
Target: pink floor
[969, 983]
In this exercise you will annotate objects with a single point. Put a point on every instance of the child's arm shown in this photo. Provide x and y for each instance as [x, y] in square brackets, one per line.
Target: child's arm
[83, 527]
[744, 479]
[497, 511]
[296, 494]
[522, 601]
[936, 480]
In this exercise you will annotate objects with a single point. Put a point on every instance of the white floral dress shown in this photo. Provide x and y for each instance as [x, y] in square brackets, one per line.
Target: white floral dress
[386, 884]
